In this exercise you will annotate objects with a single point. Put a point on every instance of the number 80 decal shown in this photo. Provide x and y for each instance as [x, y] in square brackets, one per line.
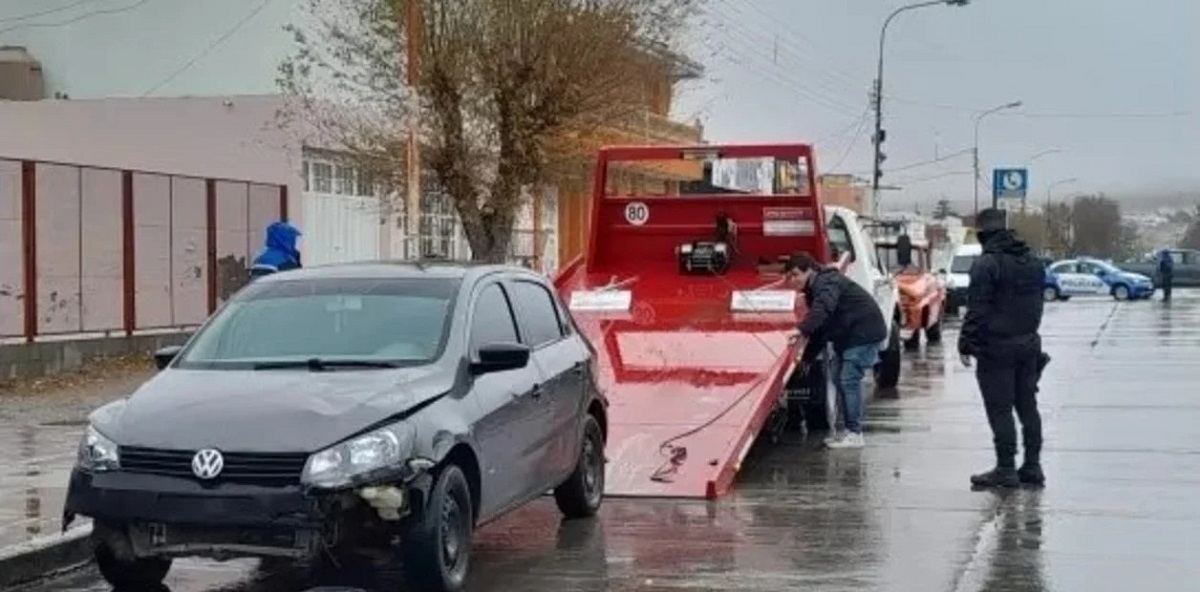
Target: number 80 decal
[637, 213]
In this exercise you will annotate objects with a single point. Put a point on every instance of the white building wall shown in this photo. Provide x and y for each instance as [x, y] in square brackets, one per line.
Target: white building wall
[190, 87]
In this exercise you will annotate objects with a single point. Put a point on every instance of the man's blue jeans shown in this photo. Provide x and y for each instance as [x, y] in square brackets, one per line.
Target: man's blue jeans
[849, 369]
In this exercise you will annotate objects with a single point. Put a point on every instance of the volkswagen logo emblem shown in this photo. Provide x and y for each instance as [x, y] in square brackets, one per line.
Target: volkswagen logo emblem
[207, 463]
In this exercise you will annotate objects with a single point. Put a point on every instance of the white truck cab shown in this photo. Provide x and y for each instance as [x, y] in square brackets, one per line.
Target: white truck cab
[847, 235]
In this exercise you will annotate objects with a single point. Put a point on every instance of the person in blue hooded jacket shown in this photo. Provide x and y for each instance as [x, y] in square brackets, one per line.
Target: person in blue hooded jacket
[280, 253]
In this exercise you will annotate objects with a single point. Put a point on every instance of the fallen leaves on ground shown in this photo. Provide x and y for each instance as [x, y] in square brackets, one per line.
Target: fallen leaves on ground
[94, 372]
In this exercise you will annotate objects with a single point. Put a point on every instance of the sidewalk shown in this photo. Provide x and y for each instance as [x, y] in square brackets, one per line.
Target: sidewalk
[40, 426]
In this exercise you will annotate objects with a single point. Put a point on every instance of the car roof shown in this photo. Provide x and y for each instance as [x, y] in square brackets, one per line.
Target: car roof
[433, 269]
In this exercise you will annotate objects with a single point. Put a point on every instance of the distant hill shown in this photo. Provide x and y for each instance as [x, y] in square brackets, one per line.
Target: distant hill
[1131, 201]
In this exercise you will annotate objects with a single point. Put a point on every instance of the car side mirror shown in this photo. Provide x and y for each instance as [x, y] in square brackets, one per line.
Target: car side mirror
[498, 357]
[941, 271]
[904, 250]
[164, 356]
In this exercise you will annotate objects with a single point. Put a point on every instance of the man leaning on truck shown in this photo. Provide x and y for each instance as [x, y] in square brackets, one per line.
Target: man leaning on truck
[844, 314]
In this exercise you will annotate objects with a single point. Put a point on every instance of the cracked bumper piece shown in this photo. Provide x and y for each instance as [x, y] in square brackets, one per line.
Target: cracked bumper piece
[153, 515]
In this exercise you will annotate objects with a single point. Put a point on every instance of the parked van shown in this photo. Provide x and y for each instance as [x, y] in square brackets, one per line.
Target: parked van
[959, 275]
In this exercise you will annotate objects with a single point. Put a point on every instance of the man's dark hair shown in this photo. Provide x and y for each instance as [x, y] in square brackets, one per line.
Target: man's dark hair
[990, 219]
[800, 261]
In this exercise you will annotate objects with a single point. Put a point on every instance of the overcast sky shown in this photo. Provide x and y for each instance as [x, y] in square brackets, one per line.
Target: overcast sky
[1112, 84]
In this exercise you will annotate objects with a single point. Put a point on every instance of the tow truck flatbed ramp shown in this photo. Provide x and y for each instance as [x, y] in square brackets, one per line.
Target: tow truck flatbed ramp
[691, 378]
[681, 385]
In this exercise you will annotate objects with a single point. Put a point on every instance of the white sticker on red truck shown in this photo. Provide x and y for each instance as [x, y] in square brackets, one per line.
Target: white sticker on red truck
[637, 213]
[788, 221]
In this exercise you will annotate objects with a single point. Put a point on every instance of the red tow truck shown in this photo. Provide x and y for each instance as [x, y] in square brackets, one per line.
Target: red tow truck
[680, 292]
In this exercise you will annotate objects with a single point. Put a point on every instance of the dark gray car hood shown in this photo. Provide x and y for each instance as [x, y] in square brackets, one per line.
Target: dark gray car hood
[263, 411]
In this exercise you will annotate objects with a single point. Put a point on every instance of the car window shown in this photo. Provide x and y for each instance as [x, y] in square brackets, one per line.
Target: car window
[492, 320]
[1190, 258]
[404, 321]
[873, 258]
[839, 238]
[536, 314]
[962, 263]
[1063, 268]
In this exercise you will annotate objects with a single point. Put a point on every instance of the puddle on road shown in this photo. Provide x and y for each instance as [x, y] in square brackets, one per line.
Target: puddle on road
[33, 482]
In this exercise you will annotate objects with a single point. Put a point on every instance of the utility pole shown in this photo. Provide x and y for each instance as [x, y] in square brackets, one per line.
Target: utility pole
[412, 199]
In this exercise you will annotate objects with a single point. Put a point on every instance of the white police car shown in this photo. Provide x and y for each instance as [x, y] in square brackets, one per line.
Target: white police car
[1085, 276]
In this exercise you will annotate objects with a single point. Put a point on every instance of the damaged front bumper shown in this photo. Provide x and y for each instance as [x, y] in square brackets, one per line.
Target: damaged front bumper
[142, 515]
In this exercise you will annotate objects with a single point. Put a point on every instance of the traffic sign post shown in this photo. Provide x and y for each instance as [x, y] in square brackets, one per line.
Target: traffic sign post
[1009, 185]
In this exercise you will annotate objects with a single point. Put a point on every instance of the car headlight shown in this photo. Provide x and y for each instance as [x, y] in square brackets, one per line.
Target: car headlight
[338, 465]
[97, 453]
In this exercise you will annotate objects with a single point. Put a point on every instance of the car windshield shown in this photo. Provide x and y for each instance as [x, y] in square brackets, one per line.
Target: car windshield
[962, 263]
[383, 322]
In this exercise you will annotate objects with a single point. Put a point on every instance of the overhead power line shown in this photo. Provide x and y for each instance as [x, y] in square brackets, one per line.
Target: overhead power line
[84, 16]
[862, 126]
[211, 46]
[33, 15]
[1036, 115]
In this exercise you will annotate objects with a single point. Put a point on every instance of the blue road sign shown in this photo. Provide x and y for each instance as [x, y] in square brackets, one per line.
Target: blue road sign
[1009, 183]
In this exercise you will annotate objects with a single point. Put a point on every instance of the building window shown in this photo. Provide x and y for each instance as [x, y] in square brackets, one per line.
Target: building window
[325, 176]
[322, 177]
[344, 181]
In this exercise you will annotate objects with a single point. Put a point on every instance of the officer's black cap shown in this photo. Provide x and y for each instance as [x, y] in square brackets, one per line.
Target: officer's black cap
[990, 219]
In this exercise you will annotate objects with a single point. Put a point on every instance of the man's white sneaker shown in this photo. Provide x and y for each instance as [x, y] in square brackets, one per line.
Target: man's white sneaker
[850, 440]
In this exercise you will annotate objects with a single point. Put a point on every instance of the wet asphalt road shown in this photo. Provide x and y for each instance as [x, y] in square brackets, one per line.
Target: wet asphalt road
[1120, 512]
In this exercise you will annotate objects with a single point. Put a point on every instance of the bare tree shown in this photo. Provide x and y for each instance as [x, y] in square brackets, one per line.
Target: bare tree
[1096, 226]
[500, 89]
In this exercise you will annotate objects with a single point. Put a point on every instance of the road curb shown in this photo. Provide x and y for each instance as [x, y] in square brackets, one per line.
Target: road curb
[44, 556]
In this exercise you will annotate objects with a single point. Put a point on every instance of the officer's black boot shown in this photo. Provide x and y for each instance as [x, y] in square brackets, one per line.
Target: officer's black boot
[1031, 473]
[1000, 476]
[1003, 475]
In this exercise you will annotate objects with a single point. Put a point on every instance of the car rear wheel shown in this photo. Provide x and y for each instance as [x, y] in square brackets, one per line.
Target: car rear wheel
[582, 493]
[1050, 294]
[1121, 293]
[437, 546]
[887, 371]
[144, 573]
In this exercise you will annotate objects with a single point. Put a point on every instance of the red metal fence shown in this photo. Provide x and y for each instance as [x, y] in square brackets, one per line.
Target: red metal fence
[90, 250]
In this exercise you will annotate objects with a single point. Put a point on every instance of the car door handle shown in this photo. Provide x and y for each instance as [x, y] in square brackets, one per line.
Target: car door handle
[578, 368]
[536, 391]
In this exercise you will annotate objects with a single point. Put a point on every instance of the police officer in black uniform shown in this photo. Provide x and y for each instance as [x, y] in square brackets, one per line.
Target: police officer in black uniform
[1000, 331]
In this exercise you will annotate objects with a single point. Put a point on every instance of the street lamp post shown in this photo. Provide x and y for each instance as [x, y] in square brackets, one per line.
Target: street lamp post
[878, 94]
[1041, 154]
[978, 120]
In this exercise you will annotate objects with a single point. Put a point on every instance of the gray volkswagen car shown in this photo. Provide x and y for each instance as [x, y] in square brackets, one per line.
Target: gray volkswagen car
[325, 409]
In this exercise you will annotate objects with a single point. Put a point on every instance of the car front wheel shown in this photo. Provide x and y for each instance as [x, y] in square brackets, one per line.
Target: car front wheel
[582, 493]
[1121, 293]
[437, 548]
[1050, 294]
[145, 573]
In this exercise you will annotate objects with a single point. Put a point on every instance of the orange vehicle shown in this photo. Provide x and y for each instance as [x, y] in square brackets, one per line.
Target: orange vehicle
[905, 252]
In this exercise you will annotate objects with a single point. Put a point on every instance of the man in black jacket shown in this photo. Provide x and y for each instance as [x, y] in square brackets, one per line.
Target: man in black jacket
[1004, 313]
[842, 313]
